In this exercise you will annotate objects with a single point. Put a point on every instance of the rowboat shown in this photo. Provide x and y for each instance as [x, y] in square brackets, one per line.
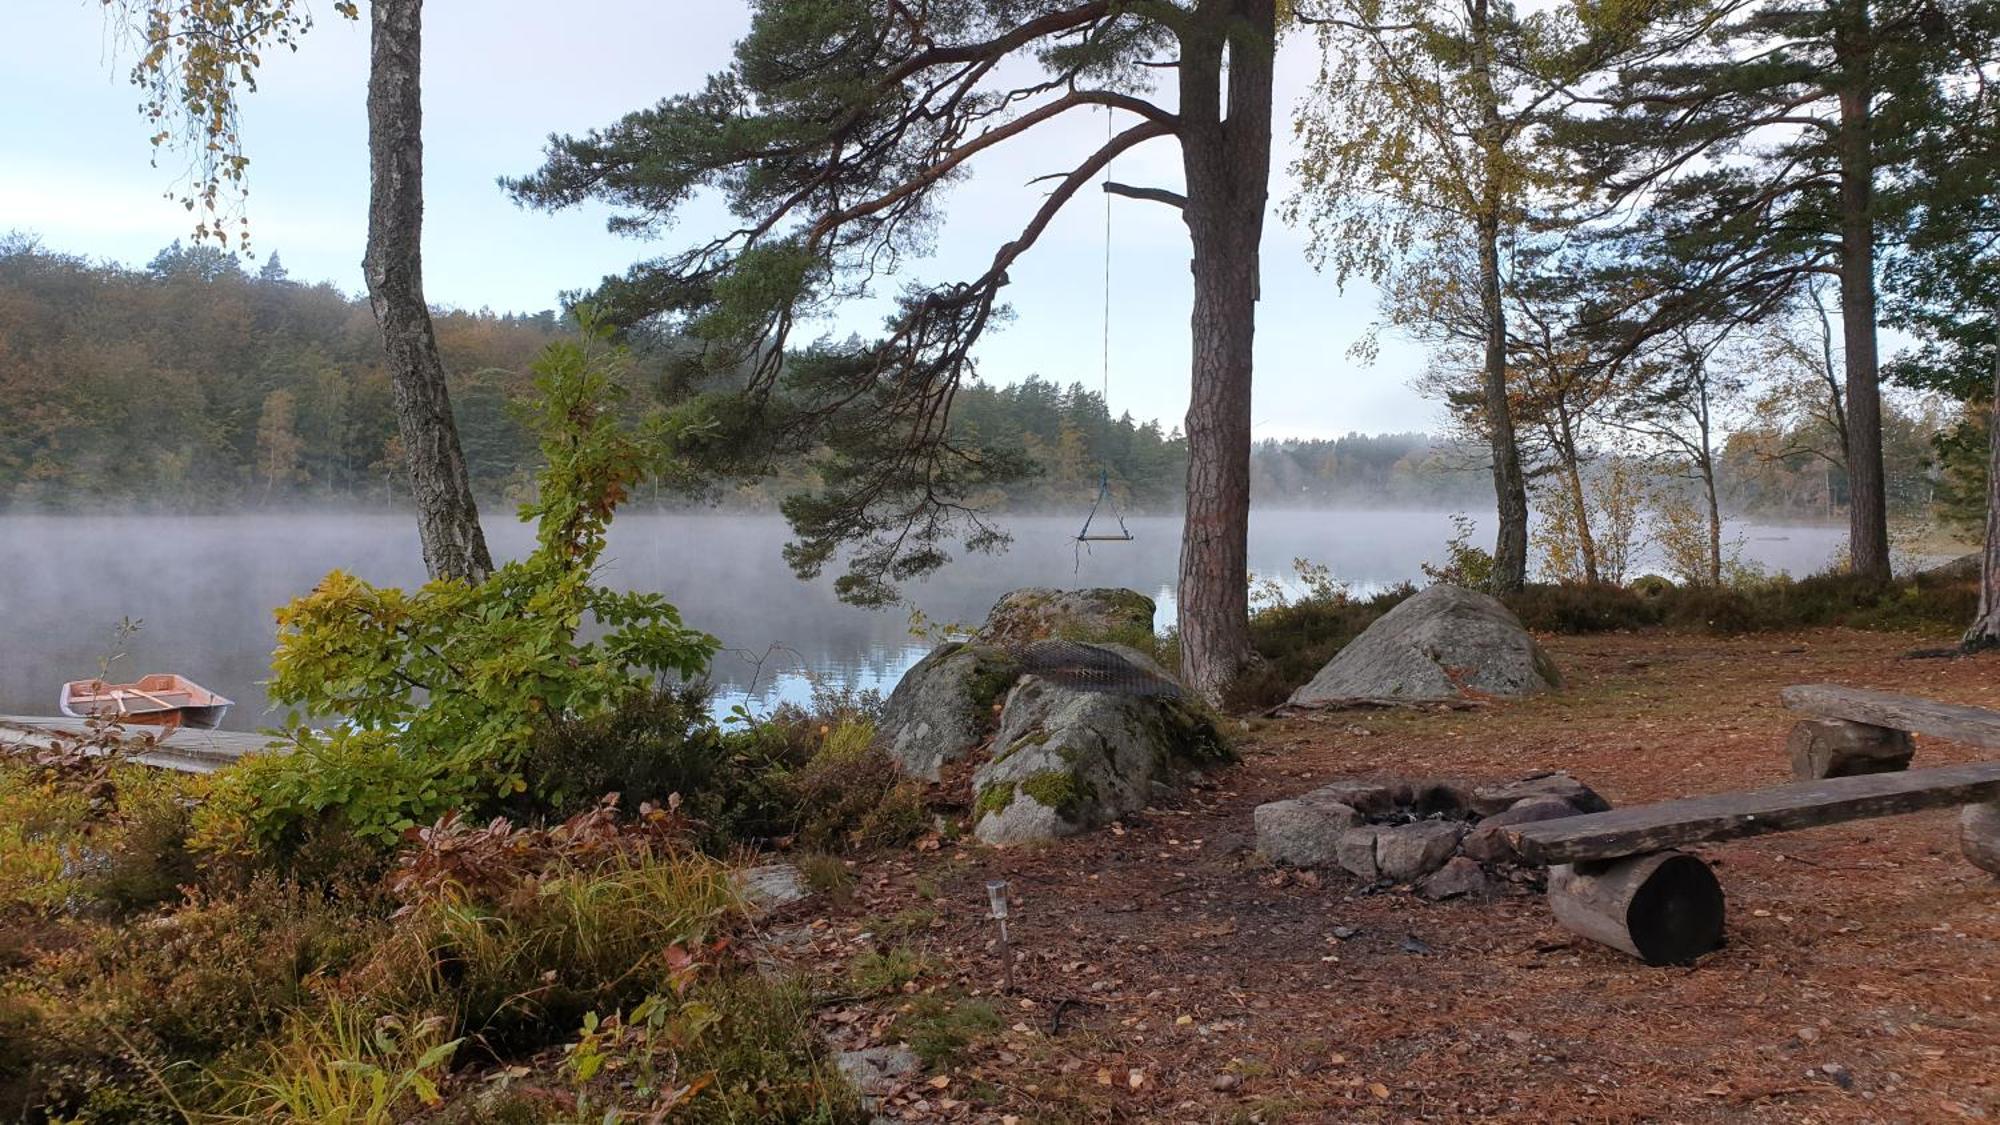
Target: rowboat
[161, 700]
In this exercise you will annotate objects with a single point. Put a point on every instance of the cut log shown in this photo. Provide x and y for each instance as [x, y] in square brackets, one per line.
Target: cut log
[1728, 816]
[1979, 835]
[1664, 908]
[1974, 726]
[1838, 748]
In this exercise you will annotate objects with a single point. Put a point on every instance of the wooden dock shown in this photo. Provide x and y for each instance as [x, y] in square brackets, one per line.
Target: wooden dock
[190, 751]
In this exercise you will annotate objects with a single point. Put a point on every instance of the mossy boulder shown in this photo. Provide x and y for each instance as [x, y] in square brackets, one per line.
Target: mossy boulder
[1066, 761]
[942, 708]
[1098, 615]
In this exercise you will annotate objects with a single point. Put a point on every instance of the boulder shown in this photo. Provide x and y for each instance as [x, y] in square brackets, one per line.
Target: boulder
[1441, 645]
[1490, 799]
[942, 708]
[1095, 615]
[1488, 843]
[1067, 760]
[1458, 878]
[1304, 831]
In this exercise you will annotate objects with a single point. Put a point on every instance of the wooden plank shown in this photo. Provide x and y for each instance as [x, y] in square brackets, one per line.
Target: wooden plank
[187, 750]
[1729, 816]
[1974, 726]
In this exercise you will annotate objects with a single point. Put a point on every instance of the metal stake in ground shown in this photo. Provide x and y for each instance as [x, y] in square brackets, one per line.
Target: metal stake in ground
[996, 897]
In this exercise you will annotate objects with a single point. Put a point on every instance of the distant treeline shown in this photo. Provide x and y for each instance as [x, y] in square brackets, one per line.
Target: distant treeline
[193, 384]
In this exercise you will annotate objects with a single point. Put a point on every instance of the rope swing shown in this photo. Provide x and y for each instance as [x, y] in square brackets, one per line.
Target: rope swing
[1085, 536]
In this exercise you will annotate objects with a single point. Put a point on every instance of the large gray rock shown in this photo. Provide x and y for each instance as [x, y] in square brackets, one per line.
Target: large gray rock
[1066, 761]
[1304, 831]
[1105, 613]
[1441, 645]
[943, 707]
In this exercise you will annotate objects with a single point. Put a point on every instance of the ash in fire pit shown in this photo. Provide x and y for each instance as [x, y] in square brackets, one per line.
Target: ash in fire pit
[1443, 838]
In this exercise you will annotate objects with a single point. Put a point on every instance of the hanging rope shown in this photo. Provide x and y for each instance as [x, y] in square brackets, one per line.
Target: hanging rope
[1084, 538]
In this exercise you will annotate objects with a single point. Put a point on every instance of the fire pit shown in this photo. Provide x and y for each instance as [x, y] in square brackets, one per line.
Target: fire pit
[1438, 836]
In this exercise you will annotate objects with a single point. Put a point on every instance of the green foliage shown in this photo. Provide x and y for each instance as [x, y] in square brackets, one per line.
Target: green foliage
[939, 1027]
[441, 693]
[344, 1067]
[1465, 565]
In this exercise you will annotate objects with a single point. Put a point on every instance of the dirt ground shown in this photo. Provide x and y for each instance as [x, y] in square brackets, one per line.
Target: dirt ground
[1168, 974]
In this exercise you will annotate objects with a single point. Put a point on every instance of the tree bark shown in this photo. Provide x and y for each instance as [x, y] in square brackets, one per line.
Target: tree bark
[1510, 487]
[1586, 543]
[1227, 161]
[1985, 631]
[1867, 507]
[447, 518]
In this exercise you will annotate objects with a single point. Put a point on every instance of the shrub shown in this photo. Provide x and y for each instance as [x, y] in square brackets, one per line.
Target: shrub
[514, 970]
[129, 1015]
[441, 692]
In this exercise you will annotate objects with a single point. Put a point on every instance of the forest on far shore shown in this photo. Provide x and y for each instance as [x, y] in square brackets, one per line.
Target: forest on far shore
[195, 384]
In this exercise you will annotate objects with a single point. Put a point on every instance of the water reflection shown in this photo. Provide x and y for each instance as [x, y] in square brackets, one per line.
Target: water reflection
[205, 587]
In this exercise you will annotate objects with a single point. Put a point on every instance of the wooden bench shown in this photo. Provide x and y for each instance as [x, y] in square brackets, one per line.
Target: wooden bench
[1618, 877]
[1850, 731]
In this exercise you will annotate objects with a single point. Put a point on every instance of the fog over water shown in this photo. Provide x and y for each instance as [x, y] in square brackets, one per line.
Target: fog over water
[205, 586]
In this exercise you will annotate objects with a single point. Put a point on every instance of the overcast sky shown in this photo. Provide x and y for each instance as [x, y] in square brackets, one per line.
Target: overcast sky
[500, 75]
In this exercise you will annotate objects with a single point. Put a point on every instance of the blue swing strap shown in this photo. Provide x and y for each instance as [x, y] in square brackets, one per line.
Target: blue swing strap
[1103, 494]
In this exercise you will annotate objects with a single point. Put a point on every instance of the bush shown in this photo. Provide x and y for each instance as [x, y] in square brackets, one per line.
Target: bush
[1295, 640]
[438, 694]
[131, 1013]
[515, 971]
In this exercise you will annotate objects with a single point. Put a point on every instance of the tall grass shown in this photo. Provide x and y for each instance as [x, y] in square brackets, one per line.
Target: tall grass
[344, 1067]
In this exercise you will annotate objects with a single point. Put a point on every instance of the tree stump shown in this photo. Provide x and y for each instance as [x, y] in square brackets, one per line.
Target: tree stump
[1837, 748]
[1664, 908]
[1979, 835]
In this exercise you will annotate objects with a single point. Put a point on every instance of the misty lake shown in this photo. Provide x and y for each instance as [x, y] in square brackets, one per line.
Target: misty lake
[204, 587]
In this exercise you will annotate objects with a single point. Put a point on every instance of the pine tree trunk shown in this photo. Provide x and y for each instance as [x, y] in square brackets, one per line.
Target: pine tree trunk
[447, 519]
[1510, 488]
[1714, 521]
[1867, 510]
[1586, 543]
[1227, 165]
[1985, 631]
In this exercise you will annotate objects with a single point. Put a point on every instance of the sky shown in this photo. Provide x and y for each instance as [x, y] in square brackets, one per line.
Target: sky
[501, 75]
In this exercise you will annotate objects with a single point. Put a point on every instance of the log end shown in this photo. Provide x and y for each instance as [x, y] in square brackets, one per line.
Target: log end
[1979, 835]
[1665, 908]
[1823, 748]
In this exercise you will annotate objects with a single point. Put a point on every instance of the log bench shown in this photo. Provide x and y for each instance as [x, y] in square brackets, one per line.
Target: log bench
[1849, 731]
[1619, 877]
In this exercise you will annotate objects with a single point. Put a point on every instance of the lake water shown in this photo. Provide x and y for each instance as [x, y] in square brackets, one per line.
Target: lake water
[204, 587]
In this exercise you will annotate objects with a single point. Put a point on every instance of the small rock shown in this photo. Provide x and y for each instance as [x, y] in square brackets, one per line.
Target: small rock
[1487, 843]
[1490, 799]
[1225, 1082]
[1303, 832]
[1345, 933]
[1370, 798]
[1416, 946]
[875, 1071]
[1405, 853]
[770, 886]
[1459, 878]
[1356, 852]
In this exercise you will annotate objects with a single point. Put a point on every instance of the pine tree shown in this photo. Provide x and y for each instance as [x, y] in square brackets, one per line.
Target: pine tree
[831, 135]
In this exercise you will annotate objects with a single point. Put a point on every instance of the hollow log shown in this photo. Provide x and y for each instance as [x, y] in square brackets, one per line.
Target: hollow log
[1839, 748]
[1664, 908]
[1979, 835]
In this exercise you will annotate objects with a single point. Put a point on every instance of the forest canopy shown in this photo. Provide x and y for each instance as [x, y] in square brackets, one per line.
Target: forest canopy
[195, 384]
